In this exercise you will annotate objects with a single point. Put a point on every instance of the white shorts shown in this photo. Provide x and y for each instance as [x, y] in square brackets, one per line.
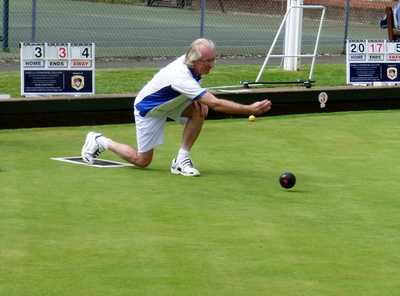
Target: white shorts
[150, 129]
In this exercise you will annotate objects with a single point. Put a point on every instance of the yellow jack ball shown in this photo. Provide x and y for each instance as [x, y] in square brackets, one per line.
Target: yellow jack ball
[252, 118]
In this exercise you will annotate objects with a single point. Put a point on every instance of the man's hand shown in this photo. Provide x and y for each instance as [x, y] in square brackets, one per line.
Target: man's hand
[201, 107]
[260, 107]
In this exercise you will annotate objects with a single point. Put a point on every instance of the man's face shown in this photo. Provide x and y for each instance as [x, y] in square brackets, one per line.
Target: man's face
[206, 63]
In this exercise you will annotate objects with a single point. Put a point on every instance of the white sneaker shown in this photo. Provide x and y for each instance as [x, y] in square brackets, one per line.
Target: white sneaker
[91, 149]
[184, 167]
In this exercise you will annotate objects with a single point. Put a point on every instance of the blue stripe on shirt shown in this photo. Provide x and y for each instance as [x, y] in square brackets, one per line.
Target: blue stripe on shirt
[156, 99]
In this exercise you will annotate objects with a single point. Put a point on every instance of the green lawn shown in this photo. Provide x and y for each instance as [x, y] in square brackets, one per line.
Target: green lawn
[76, 230]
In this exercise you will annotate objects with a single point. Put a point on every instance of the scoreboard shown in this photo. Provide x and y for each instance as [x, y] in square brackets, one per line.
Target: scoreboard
[372, 62]
[57, 69]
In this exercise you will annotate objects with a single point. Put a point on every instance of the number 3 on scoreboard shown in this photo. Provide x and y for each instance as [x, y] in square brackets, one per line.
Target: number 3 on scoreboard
[38, 52]
[62, 52]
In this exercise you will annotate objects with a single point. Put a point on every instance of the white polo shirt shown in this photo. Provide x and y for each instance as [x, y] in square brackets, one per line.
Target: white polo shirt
[168, 89]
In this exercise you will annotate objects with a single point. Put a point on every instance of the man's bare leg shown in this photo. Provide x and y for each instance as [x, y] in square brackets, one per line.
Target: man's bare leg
[130, 154]
[193, 127]
[182, 164]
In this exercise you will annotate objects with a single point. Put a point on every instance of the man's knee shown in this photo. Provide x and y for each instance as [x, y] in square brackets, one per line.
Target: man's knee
[194, 113]
[144, 159]
[143, 163]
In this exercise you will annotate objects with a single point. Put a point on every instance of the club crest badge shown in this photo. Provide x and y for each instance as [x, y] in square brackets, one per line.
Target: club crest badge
[77, 82]
[392, 73]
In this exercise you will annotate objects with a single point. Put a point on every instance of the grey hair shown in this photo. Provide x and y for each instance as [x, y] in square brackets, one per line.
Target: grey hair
[193, 52]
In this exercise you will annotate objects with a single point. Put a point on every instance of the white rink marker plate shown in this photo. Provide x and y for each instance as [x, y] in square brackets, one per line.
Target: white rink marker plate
[99, 163]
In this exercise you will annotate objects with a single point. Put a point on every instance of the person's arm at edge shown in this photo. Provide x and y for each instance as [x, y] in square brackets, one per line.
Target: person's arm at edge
[230, 107]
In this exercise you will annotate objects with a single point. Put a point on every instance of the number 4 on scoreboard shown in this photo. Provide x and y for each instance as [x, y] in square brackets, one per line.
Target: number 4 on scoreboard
[83, 51]
[86, 53]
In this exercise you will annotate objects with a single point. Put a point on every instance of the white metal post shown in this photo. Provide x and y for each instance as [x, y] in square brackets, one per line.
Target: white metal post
[294, 28]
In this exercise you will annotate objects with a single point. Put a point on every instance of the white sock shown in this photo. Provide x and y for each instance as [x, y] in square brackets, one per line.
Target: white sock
[103, 141]
[182, 154]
